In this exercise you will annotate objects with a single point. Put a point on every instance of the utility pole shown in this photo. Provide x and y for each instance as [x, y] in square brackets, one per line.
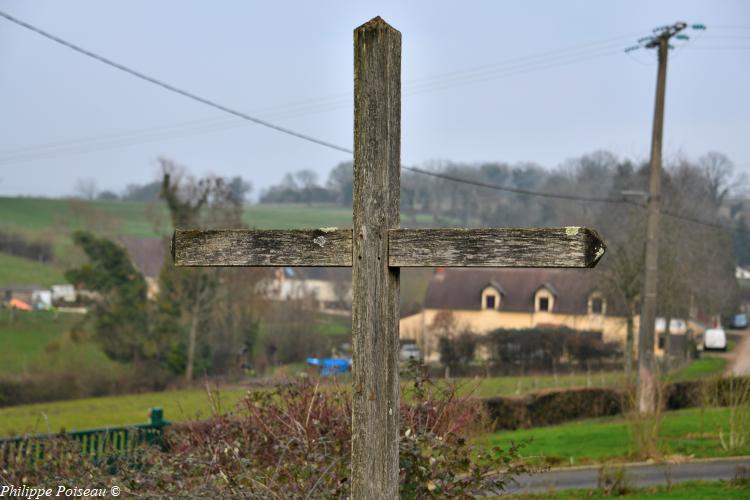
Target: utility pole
[647, 381]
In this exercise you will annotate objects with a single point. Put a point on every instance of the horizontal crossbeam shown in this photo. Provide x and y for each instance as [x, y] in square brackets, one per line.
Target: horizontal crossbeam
[511, 247]
[507, 247]
[268, 247]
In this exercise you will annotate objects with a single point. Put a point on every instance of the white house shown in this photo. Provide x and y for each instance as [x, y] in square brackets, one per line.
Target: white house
[329, 288]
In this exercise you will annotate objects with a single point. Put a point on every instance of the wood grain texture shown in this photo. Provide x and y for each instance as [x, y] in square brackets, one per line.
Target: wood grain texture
[549, 247]
[375, 286]
[270, 247]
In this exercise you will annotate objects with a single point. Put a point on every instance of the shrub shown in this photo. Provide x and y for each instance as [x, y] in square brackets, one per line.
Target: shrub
[554, 407]
[544, 348]
[457, 352]
[81, 383]
[614, 481]
[16, 244]
[294, 441]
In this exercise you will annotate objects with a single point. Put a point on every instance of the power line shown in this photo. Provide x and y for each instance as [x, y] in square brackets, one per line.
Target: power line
[622, 200]
[506, 68]
[172, 88]
[327, 144]
[507, 189]
[703, 222]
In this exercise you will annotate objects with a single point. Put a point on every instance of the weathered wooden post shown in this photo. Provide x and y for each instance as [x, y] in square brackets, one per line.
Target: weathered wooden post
[375, 285]
[376, 249]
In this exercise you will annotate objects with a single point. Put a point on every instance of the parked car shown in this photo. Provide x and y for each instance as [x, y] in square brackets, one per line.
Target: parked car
[409, 352]
[739, 321]
[715, 339]
[677, 326]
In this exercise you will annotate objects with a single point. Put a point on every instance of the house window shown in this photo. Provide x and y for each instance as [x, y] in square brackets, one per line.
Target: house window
[490, 299]
[597, 305]
[544, 304]
[489, 302]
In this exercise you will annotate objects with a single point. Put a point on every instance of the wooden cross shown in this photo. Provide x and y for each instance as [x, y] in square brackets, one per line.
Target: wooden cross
[376, 248]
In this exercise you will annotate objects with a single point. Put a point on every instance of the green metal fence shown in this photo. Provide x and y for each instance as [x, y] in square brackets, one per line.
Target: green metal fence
[94, 443]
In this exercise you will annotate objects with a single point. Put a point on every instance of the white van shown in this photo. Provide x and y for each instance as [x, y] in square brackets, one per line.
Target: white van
[715, 339]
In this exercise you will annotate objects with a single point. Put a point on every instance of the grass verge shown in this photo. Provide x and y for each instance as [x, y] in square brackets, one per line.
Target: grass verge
[689, 433]
[687, 490]
[700, 368]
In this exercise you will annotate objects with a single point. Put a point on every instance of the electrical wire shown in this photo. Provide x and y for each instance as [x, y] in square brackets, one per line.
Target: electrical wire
[585, 199]
[507, 189]
[510, 67]
[172, 88]
[327, 144]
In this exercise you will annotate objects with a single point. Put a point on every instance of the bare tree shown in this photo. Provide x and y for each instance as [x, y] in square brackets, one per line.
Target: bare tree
[86, 188]
[717, 171]
[306, 178]
[189, 296]
[341, 280]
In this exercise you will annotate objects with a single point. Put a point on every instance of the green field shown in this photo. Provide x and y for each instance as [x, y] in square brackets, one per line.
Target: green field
[16, 270]
[179, 406]
[44, 217]
[333, 325]
[724, 490]
[689, 432]
[39, 342]
[514, 385]
[53, 220]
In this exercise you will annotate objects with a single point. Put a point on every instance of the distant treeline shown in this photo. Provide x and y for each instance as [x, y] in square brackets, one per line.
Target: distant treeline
[17, 245]
[697, 189]
[151, 191]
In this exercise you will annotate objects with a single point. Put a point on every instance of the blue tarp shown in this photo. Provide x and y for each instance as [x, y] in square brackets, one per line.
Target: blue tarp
[330, 367]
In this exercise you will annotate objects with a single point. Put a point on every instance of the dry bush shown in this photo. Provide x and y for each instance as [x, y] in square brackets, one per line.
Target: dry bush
[645, 426]
[736, 397]
[294, 441]
[614, 481]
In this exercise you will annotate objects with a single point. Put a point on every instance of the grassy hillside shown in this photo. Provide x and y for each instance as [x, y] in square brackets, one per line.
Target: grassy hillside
[53, 220]
[42, 217]
[40, 342]
[16, 270]
[50, 219]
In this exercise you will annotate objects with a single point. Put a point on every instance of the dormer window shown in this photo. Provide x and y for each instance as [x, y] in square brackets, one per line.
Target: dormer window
[597, 304]
[490, 298]
[544, 304]
[489, 302]
[544, 298]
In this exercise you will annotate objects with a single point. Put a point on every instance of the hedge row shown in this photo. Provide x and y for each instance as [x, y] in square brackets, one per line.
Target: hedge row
[559, 406]
[74, 385]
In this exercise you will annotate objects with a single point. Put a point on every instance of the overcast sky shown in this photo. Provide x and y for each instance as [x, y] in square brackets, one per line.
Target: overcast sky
[539, 81]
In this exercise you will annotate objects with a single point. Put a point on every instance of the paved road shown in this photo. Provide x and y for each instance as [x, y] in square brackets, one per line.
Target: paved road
[641, 475]
[741, 363]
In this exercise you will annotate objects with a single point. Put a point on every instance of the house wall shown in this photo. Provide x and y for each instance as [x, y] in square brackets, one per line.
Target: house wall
[322, 291]
[416, 327]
